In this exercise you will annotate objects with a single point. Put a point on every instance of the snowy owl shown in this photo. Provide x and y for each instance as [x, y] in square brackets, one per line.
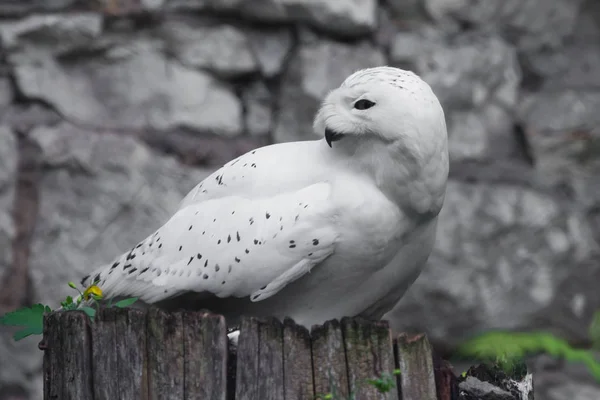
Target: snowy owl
[312, 230]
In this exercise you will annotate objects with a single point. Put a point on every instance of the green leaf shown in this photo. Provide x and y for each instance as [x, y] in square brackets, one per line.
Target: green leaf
[31, 319]
[69, 300]
[125, 302]
[89, 311]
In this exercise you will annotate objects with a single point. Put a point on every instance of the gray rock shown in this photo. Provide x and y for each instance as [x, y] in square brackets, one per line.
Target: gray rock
[476, 77]
[8, 171]
[132, 86]
[483, 390]
[498, 262]
[575, 66]
[25, 360]
[557, 379]
[563, 132]
[466, 71]
[530, 25]
[21, 355]
[574, 391]
[271, 47]
[18, 8]
[222, 49]
[6, 92]
[258, 103]
[316, 68]
[468, 137]
[407, 9]
[342, 17]
[99, 195]
[50, 34]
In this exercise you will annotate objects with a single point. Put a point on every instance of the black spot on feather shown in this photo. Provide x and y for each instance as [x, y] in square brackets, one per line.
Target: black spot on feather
[237, 259]
[191, 259]
[132, 270]
[237, 236]
[115, 265]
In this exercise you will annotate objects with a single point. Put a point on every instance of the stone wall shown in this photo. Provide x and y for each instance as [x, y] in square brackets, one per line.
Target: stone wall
[111, 110]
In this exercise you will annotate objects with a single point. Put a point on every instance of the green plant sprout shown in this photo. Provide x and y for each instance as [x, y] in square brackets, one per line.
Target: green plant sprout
[383, 384]
[507, 349]
[31, 319]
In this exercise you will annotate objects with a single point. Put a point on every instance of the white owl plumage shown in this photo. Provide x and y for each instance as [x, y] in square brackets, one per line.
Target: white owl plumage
[311, 230]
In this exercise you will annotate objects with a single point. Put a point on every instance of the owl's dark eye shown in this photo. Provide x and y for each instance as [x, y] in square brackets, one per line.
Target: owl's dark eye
[363, 104]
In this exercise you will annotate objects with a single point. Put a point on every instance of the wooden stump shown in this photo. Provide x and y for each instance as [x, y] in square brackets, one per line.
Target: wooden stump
[134, 354]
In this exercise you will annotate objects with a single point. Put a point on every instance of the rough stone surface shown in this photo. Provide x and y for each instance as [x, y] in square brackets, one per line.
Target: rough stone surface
[476, 77]
[343, 17]
[113, 182]
[8, 169]
[222, 49]
[271, 47]
[317, 67]
[529, 24]
[6, 94]
[258, 103]
[499, 258]
[202, 81]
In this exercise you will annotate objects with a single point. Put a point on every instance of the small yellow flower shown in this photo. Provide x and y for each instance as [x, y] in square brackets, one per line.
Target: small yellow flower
[92, 290]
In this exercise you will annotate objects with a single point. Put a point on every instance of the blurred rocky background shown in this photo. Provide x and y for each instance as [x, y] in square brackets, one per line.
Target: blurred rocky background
[111, 110]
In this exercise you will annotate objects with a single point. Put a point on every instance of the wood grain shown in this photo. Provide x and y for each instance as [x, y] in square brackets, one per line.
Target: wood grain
[131, 353]
[53, 365]
[205, 366]
[329, 360]
[76, 356]
[416, 366]
[164, 341]
[104, 354]
[297, 362]
[369, 355]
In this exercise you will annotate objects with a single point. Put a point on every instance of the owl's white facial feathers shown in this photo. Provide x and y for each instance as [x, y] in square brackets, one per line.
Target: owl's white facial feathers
[406, 109]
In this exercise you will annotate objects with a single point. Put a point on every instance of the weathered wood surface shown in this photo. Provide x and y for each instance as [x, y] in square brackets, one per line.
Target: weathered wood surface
[416, 363]
[134, 354]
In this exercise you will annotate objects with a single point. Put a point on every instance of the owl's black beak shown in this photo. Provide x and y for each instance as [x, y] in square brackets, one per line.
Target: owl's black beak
[332, 136]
